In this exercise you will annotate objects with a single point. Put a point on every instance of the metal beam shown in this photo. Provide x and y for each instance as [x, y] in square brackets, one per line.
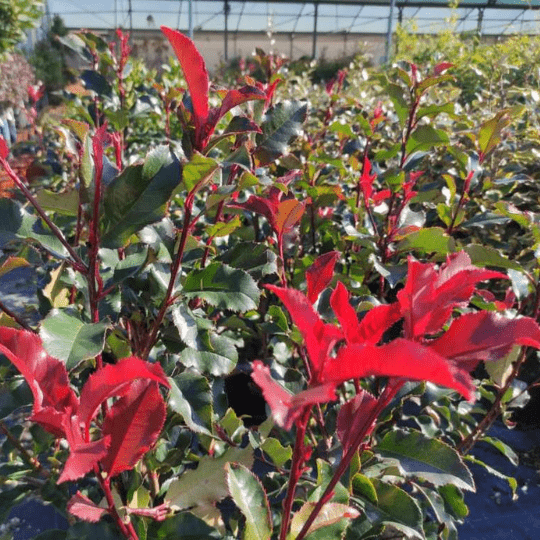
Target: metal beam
[315, 17]
[388, 47]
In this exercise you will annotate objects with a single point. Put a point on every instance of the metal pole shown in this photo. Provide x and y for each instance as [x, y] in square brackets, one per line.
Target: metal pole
[130, 18]
[388, 48]
[480, 19]
[315, 16]
[190, 18]
[226, 9]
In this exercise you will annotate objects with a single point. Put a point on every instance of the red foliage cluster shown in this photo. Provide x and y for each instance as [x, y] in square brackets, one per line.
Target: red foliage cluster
[434, 346]
[130, 425]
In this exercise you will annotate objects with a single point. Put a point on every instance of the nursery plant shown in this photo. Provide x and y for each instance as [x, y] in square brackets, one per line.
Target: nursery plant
[200, 250]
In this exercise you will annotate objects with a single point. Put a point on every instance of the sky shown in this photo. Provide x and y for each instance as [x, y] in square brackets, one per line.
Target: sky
[268, 16]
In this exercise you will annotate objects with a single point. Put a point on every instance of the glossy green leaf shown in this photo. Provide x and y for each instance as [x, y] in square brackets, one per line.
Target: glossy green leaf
[223, 287]
[278, 453]
[216, 355]
[429, 240]
[394, 507]
[432, 111]
[503, 448]
[487, 256]
[186, 325]
[184, 526]
[332, 513]
[490, 133]
[199, 489]
[283, 123]
[454, 501]
[249, 495]
[198, 172]
[191, 397]
[431, 459]
[401, 105]
[254, 258]
[424, 138]
[65, 203]
[138, 197]
[66, 337]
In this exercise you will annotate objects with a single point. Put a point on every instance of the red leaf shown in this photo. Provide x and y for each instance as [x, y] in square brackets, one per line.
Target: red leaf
[259, 205]
[4, 149]
[83, 455]
[82, 507]
[353, 417]
[366, 180]
[233, 98]
[46, 376]
[374, 324]
[133, 424]
[195, 72]
[320, 337]
[113, 380]
[377, 321]
[400, 358]
[83, 458]
[319, 274]
[440, 68]
[430, 295]
[485, 336]
[286, 407]
[288, 214]
[339, 300]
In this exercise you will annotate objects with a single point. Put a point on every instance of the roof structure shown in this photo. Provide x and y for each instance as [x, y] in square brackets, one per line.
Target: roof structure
[493, 17]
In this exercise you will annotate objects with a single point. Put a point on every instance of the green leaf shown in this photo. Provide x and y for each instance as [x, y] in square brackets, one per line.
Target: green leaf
[500, 369]
[384, 155]
[430, 240]
[138, 197]
[198, 172]
[363, 486]
[199, 489]
[490, 133]
[331, 514]
[220, 229]
[17, 223]
[394, 507]
[223, 287]
[218, 356]
[13, 394]
[254, 258]
[283, 123]
[454, 501]
[186, 325]
[278, 453]
[184, 526]
[66, 203]
[483, 256]
[66, 337]
[503, 448]
[191, 397]
[90, 531]
[401, 106]
[424, 138]
[249, 495]
[433, 110]
[422, 457]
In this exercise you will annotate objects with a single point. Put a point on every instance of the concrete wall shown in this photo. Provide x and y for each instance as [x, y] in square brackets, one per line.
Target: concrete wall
[155, 49]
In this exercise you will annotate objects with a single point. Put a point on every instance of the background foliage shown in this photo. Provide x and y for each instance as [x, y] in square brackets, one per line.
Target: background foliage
[159, 218]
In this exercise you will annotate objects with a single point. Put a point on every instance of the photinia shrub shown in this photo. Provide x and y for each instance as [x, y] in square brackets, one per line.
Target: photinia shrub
[171, 394]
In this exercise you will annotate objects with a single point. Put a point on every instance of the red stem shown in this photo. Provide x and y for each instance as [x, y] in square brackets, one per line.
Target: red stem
[389, 392]
[298, 460]
[177, 264]
[77, 262]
